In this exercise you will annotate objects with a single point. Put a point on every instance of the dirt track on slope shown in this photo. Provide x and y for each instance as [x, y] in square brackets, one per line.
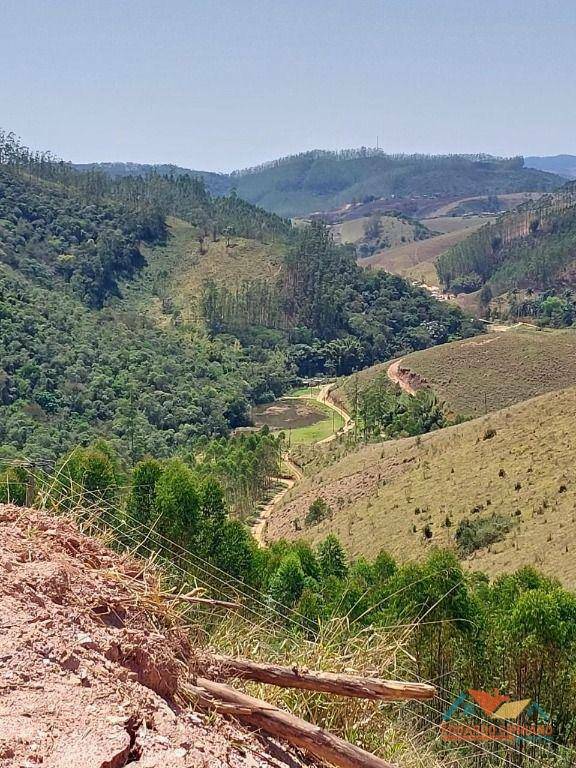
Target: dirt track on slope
[261, 523]
[324, 397]
[403, 377]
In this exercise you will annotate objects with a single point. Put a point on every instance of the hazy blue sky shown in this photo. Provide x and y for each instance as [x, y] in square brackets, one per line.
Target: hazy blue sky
[220, 84]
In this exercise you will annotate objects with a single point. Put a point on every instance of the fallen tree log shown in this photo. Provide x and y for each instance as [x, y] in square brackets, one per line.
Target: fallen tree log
[280, 724]
[322, 682]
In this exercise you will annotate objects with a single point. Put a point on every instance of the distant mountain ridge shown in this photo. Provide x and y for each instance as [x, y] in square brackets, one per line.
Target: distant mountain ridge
[216, 183]
[319, 180]
[563, 165]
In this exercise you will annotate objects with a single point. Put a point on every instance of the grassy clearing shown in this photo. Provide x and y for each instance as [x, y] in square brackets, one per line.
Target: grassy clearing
[304, 392]
[329, 423]
[176, 272]
[303, 420]
[415, 261]
[509, 200]
[518, 463]
[495, 371]
[392, 228]
[444, 224]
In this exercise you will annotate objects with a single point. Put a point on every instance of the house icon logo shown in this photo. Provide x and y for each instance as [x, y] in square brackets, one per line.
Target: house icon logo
[477, 715]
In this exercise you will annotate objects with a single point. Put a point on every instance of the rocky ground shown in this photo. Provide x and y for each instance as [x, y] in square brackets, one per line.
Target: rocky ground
[89, 673]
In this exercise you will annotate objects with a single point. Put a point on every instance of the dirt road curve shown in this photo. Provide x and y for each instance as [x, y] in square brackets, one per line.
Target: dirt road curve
[323, 396]
[396, 376]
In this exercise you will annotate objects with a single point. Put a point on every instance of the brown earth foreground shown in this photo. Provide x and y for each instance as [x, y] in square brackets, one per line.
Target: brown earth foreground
[88, 675]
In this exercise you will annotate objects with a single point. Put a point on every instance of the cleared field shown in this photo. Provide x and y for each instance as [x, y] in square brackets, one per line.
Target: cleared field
[177, 272]
[391, 227]
[415, 261]
[444, 224]
[511, 200]
[497, 370]
[303, 421]
[518, 463]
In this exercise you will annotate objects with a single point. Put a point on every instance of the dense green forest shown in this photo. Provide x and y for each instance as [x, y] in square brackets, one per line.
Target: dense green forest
[517, 633]
[320, 180]
[532, 247]
[216, 183]
[72, 367]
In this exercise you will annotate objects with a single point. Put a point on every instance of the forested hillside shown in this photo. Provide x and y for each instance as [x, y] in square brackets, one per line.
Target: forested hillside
[332, 316]
[316, 181]
[216, 183]
[80, 359]
[72, 367]
[320, 180]
[533, 247]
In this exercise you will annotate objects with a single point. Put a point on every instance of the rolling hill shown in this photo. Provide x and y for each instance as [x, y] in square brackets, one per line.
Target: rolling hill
[504, 481]
[531, 247]
[563, 165]
[216, 183]
[497, 370]
[319, 180]
[482, 375]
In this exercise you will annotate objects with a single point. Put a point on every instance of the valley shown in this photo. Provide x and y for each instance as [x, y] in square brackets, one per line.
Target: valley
[285, 424]
[387, 494]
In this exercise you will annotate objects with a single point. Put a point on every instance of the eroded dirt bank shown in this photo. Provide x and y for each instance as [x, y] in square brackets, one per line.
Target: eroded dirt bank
[89, 676]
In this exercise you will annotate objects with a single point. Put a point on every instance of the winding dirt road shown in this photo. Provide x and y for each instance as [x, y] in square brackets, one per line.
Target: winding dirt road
[323, 396]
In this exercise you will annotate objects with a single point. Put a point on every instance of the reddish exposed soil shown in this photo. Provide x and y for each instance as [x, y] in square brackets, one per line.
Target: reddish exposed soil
[89, 678]
[408, 380]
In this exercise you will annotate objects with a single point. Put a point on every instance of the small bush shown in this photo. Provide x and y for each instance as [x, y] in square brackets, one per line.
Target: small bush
[480, 532]
[317, 511]
[489, 434]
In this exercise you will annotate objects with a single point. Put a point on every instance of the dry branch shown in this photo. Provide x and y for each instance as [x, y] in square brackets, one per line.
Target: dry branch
[206, 601]
[282, 725]
[324, 682]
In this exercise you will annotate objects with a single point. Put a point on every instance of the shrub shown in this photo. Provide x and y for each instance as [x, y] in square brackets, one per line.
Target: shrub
[317, 511]
[481, 532]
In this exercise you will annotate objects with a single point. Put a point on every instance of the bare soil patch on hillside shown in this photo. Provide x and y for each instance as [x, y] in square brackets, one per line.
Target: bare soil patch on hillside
[89, 676]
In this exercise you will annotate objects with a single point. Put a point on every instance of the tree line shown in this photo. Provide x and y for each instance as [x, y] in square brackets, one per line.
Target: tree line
[330, 315]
